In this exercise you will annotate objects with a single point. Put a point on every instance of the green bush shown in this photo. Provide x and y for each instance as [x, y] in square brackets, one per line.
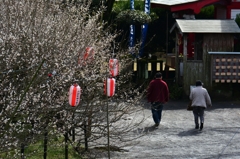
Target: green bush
[133, 17]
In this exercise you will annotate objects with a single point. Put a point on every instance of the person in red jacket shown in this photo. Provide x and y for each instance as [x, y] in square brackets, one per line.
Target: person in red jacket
[157, 94]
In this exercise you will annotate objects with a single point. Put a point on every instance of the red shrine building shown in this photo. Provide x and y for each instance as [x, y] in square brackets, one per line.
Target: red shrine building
[205, 49]
[224, 9]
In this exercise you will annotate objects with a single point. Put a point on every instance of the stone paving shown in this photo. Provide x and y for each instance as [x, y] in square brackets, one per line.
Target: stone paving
[176, 137]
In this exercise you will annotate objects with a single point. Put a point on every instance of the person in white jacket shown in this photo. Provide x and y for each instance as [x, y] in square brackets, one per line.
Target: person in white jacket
[200, 101]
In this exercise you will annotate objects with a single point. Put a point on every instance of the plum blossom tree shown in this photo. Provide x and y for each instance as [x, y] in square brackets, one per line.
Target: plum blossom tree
[42, 54]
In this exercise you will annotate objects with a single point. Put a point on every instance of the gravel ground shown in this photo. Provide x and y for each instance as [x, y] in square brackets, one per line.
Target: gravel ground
[176, 137]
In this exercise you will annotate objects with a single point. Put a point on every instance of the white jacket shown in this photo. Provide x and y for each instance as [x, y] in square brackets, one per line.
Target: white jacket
[200, 97]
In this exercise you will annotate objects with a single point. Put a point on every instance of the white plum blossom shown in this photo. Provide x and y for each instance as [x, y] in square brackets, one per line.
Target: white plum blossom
[42, 48]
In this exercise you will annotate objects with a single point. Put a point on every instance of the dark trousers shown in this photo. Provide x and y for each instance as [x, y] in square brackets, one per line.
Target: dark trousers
[157, 108]
[198, 113]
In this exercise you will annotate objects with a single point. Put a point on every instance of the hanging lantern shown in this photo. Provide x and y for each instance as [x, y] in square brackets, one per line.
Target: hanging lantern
[114, 67]
[135, 65]
[109, 88]
[74, 95]
[89, 52]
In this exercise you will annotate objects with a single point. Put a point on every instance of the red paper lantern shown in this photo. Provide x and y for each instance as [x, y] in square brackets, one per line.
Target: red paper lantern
[89, 52]
[74, 95]
[114, 67]
[109, 87]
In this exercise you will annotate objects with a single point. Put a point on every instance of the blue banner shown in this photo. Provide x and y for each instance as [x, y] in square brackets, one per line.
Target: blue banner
[147, 6]
[131, 39]
[132, 4]
[132, 32]
[144, 28]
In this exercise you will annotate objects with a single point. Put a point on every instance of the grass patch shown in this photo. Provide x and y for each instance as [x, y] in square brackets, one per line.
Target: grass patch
[55, 150]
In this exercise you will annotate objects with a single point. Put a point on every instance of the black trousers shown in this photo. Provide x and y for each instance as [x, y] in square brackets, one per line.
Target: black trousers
[198, 113]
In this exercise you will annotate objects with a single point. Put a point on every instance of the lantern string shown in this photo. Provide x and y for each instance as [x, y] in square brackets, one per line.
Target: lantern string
[113, 49]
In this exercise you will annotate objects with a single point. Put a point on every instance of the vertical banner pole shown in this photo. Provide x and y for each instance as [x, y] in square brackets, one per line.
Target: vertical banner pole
[144, 27]
[132, 32]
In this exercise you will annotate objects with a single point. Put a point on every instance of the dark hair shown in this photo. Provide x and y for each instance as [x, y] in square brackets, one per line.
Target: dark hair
[158, 75]
[199, 83]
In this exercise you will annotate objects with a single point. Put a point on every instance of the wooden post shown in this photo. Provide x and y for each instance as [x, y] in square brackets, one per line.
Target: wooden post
[45, 144]
[108, 133]
[22, 151]
[73, 128]
[85, 136]
[66, 144]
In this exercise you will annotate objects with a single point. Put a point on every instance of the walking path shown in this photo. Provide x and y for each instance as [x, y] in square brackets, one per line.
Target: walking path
[176, 137]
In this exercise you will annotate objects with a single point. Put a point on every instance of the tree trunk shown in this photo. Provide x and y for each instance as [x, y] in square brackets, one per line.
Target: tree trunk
[107, 13]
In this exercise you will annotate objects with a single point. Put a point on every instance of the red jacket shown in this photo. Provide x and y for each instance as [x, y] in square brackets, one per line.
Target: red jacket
[158, 91]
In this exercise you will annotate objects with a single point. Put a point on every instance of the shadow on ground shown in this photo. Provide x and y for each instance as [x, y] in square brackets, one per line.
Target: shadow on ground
[182, 104]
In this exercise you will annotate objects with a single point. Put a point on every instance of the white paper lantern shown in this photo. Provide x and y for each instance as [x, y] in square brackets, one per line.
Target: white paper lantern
[114, 67]
[109, 87]
[74, 95]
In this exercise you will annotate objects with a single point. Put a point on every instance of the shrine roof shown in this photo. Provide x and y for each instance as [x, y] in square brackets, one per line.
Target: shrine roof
[181, 5]
[172, 2]
[206, 26]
